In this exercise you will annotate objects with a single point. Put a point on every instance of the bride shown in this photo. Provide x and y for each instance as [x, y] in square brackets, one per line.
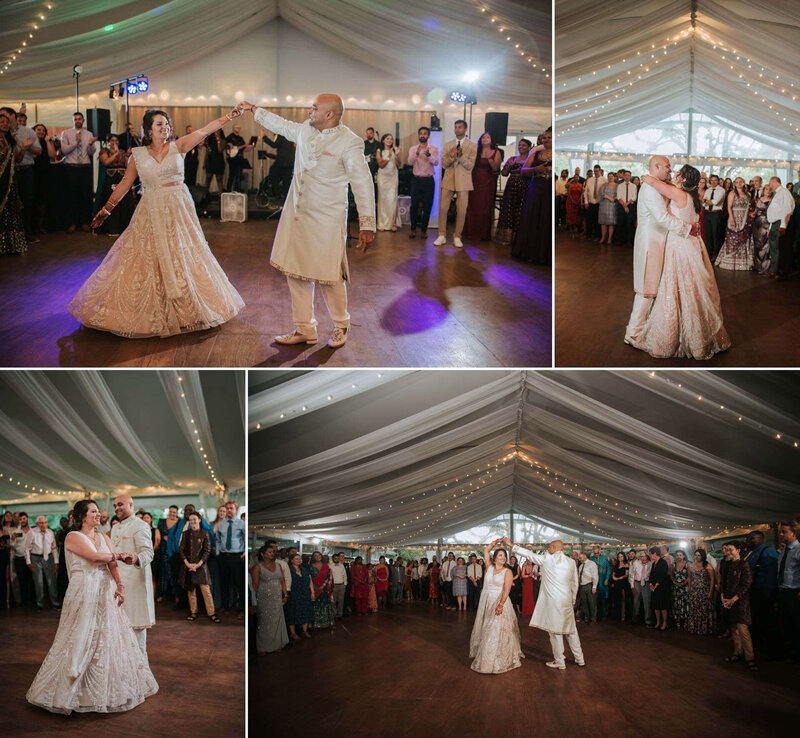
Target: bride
[160, 277]
[495, 645]
[94, 664]
[686, 317]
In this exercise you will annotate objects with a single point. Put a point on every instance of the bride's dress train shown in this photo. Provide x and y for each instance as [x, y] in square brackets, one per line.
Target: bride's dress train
[686, 317]
[495, 644]
[94, 664]
[160, 277]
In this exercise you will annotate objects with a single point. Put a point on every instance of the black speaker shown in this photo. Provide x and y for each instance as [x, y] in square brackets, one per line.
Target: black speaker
[98, 121]
[497, 125]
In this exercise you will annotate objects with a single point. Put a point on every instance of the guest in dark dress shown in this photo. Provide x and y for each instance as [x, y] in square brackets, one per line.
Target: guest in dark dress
[114, 161]
[618, 584]
[215, 159]
[12, 227]
[516, 587]
[533, 242]
[6, 552]
[659, 583]
[299, 610]
[480, 211]
[513, 194]
[41, 175]
[62, 577]
[191, 162]
[195, 548]
[735, 593]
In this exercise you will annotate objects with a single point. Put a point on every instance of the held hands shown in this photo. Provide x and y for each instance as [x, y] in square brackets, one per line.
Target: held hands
[127, 558]
[365, 238]
[244, 105]
[695, 230]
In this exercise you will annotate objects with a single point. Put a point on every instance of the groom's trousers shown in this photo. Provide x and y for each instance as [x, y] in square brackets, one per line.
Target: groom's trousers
[141, 639]
[302, 293]
[557, 643]
[639, 313]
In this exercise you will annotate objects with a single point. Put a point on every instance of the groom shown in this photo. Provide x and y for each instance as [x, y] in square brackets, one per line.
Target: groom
[654, 222]
[310, 244]
[554, 611]
[133, 534]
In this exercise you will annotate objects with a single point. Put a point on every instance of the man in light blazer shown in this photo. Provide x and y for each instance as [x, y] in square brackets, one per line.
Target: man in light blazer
[458, 159]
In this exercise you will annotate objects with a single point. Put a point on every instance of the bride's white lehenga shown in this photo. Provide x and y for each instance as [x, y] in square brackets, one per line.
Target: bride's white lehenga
[686, 317]
[495, 645]
[94, 664]
[160, 277]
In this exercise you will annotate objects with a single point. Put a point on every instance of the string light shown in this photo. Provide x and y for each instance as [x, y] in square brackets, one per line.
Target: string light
[11, 58]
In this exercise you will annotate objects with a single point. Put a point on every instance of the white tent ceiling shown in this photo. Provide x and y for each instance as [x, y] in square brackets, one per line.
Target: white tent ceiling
[405, 457]
[413, 46]
[627, 65]
[63, 434]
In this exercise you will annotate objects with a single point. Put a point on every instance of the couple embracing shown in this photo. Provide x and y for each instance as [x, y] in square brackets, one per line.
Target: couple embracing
[677, 310]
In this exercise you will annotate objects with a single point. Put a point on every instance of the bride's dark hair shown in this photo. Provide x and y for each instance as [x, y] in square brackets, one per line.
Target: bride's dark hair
[147, 125]
[505, 553]
[79, 512]
[691, 179]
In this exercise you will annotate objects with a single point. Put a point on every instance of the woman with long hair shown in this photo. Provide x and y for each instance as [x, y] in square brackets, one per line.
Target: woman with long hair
[387, 157]
[271, 596]
[737, 250]
[160, 277]
[701, 595]
[12, 227]
[686, 317]
[760, 230]
[533, 240]
[680, 589]
[322, 592]
[494, 645]
[359, 584]
[480, 210]
[95, 663]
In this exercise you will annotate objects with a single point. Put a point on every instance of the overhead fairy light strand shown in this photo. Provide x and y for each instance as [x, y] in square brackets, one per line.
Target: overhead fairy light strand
[220, 487]
[38, 21]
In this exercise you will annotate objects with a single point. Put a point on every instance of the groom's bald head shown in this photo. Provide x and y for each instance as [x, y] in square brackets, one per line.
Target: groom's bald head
[554, 546]
[658, 166]
[326, 111]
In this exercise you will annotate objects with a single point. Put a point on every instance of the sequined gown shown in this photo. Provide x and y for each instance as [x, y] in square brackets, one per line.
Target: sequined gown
[495, 644]
[94, 664]
[737, 251]
[686, 317]
[271, 633]
[160, 277]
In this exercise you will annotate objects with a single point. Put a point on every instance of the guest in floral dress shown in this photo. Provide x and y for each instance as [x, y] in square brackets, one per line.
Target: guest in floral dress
[761, 232]
[680, 589]
[299, 610]
[460, 583]
[434, 586]
[701, 593]
[607, 213]
[322, 592]
[372, 598]
[737, 251]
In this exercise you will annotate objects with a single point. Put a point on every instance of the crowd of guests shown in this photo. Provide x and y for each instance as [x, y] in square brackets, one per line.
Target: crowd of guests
[469, 187]
[191, 555]
[751, 225]
[751, 595]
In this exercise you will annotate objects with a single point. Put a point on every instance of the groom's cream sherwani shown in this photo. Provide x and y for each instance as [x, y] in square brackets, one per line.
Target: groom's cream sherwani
[653, 223]
[310, 243]
[132, 535]
[554, 607]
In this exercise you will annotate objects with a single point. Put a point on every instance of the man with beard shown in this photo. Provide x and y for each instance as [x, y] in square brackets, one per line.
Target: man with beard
[423, 158]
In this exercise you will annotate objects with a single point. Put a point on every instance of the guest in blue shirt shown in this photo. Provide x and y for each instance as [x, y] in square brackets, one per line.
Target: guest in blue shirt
[763, 561]
[789, 583]
[231, 536]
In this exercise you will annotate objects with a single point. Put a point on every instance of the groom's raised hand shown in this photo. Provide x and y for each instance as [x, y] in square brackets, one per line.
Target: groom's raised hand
[365, 238]
[244, 105]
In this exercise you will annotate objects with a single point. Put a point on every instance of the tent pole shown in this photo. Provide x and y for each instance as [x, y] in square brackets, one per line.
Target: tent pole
[439, 549]
[511, 527]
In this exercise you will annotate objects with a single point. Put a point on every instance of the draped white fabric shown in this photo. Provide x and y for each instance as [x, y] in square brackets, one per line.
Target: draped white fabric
[738, 67]
[632, 456]
[412, 40]
[63, 434]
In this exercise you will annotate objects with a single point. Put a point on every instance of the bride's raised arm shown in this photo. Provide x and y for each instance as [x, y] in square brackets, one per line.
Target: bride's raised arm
[195, 138]
[487, 550]
[669, 191]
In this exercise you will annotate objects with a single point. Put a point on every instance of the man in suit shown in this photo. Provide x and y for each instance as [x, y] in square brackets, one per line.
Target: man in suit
[458, 159]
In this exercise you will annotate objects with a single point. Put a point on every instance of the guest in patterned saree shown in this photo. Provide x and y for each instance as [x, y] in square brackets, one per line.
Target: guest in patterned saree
[359, 590]
[737, 251]
[112, 169]
[760, 231]
[701, 594]
[680, 589]
[322, 592]
[12, 228]
[513, 194]
[604, 575]
[372, 599]
[381, 581]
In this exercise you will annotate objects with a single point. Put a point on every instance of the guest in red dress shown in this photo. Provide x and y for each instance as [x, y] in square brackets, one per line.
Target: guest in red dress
[381, 581]
[527, 589]
[434, 586]
[480, 211]
[574, 197]
[359, 585]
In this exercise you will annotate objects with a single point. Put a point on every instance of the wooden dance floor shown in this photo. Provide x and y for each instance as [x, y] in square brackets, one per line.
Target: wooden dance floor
[412, 304]
[594, 295]
[406, 672]
[199, 668]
